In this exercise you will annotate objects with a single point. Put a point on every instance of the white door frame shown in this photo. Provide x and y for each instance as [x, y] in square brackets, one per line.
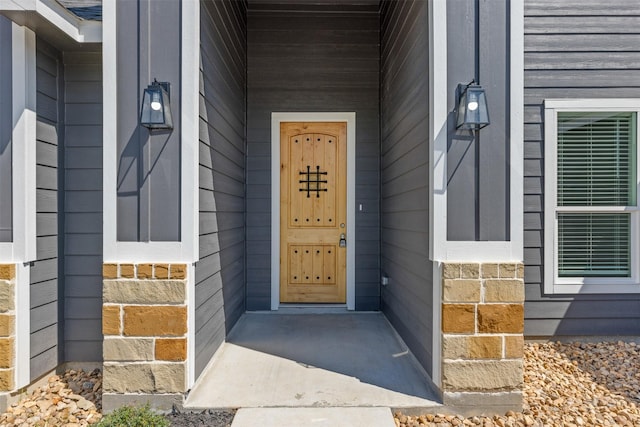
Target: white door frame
[350, 120]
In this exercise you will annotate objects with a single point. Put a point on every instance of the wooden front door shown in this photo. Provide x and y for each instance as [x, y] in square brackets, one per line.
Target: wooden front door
[313, 203]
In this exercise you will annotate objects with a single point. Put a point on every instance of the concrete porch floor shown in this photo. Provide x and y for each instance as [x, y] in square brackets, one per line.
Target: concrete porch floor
[312, 360]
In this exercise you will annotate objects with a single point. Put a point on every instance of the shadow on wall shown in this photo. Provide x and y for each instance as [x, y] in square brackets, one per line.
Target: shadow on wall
[220, 272]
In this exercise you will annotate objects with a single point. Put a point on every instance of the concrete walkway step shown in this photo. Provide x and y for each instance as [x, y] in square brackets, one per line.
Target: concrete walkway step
[313, 417]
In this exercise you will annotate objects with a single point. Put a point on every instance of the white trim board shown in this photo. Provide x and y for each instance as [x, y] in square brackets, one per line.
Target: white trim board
[23, 139]
[583, 285]
[186, 250]
[53, 13]
[276, 119]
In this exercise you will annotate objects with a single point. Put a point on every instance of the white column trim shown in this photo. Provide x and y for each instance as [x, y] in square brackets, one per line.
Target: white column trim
[438, 169]
[23, 325]
[191, 326]
[186, 250]
[109, 129]
[442, 249]
[276, 119]
[23, 139]
[190, 135]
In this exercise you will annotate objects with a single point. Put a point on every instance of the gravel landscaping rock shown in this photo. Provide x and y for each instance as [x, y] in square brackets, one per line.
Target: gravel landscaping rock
[209, 418]
[72, 399]
[575, 384]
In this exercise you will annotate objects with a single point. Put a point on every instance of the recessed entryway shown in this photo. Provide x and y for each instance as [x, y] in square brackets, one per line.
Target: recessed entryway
[277, 360]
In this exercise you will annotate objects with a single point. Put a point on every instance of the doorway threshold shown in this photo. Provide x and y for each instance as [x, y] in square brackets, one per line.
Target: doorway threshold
[312, 309]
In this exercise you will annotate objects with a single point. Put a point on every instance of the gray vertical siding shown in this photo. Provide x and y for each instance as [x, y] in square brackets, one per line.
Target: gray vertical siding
[6, 126]
[220, 273]
[45, 274]
[573, 49]
[315, 58]
[148, 192]
[478, 182]
[407, 300]
[83, 207]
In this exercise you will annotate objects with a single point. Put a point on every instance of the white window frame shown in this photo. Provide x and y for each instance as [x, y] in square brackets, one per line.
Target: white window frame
[584, 285]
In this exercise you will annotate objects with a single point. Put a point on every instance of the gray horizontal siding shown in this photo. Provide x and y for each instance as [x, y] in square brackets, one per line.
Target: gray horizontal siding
[313, 58]
[83, 209]
[573, 49]
[220, 273]
[46, 286]
[407, 300]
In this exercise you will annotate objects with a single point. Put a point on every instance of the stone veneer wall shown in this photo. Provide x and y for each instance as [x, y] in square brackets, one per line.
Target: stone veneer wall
[7, 326]
[482, 334]
[144, 322]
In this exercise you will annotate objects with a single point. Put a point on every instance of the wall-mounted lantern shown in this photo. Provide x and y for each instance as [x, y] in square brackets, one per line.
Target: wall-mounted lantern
[472, 113]
[156, 106]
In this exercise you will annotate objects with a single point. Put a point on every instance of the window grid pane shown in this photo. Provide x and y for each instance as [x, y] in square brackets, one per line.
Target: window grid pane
[594, 245]
[596, 159]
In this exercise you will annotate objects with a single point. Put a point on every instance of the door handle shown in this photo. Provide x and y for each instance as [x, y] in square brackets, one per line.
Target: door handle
[343, 241]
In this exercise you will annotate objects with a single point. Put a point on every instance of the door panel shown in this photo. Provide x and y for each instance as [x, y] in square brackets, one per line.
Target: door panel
[313, 183]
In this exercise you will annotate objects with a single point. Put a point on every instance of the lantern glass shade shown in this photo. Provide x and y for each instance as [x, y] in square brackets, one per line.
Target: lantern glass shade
[156, 107]
[473, 113]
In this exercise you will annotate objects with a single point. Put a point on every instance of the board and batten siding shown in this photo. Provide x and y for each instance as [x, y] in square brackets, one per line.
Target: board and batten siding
[305, 59]
[6, 128]
[404, 108]
[220, 272]
[148, 181]
[83, 207]
[45, 286]
[573, 49]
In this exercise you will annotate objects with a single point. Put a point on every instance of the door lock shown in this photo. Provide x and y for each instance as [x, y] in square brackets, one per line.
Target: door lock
[343, 241]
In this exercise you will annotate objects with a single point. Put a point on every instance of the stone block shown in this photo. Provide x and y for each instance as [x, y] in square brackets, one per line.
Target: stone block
[7, 325]
[7, 271]
[470, 271]
[171, 349]
[109, 271]
[144, 378]
[127, 271]
[6, 379]
[145, 271]
[178, 271]
[7, 302]
[483, 347]
[520, 271]
[159, 321]
[144, 292]
[514, 347]
[503, 290]
[458, 318]
[501, 318]
[450, 271]
[6, 353]
[461, 290]
[490, 271]
[161, 271]
[482, 375]
[508, 271]
[454, 347]
[123, 349]
[111, 320]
